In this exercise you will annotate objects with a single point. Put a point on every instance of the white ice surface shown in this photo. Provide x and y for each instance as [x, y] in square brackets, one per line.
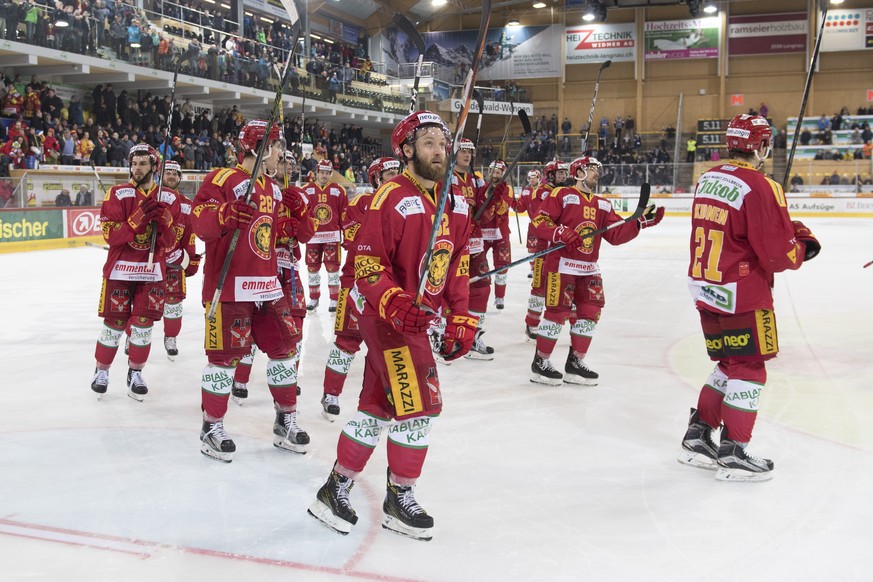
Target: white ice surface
[525, 482]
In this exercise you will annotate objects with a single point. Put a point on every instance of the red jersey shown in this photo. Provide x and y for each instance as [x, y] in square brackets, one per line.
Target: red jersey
[184, 231]
[469, 184]
[583, 212]
[127, 259]
[494, 222]
[253, 268]
[351, 223]
[741, 234]
[392, 240]
[327, 206]
[529, 201]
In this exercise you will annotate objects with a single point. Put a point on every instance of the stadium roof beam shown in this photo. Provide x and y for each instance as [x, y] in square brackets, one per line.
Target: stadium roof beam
[64, 70]
[17, 60]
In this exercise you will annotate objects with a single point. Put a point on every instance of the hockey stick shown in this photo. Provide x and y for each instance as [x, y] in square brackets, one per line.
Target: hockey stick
[645, 189]
[508, 121]
[409, 30]
[99, 181]
[809, 75]
[867, 265]
[94, 245]
[160, 182]
[603, 65]
[489, 193]
[480, 101]
[274, 113]
[462, 122]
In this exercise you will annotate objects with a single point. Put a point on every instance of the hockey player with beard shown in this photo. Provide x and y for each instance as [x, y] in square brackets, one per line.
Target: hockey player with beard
[741, 235]
[182, 261]
[556, 176]
[401, 393]
[348, 336]
[252, 305]
[327, 203]
[300, 223]
[572, 273]
[131, 290]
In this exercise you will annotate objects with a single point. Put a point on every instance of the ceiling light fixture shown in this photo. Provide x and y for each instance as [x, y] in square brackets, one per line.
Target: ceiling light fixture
[710, 8]
[539, 5]
[513, 22]
[439, 2]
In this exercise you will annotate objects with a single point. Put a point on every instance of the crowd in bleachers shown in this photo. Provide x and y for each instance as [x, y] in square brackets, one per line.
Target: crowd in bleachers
[851, 134]
[40, 126]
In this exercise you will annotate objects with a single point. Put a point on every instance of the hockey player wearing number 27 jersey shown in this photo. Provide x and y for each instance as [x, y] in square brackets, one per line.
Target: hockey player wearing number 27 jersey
[741, 234]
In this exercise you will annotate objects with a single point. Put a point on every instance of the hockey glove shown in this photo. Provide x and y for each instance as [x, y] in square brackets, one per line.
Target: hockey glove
[148, 210]
[236, 214]
[652, 215]
[804, 235]
[165, 219]
[566, 235]
[287, 227]
[401, 312]
[193, 266]
[460, 333]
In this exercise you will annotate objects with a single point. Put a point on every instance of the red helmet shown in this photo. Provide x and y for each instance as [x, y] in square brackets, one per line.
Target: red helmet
[552, 168]
[583, 163]
[404, 132]
[288, 156]
[745, 133]
[253, 132]
[535, 174]
[172, 166]
[324, 165]
[144, 149]
[379, 165]
[466, 144]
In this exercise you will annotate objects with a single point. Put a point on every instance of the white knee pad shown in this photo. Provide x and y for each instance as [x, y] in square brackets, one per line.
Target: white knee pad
[549, 329]
[140, 336]
[536, 304]
[216, 380]
[339, 361]
[333, 279]
[717, 380]
[500, 279]
[248, 359]
[414, 432]
[743, 395]
[109, 337]
[314, 279]
[365, 429]
[281, 373]
[584, 327]
[173, 310]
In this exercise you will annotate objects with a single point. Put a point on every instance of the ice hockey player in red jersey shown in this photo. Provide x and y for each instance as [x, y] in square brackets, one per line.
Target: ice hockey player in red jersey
[494, 223]
[182, 261]
[131, 290]
[348, 336]
[300, 224]
[573, 280]
[401, 393]
[555, 176]
[741, 234]
[327, 202]
[252, 305]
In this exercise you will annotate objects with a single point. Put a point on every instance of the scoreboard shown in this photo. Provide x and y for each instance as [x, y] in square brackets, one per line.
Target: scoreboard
[710, 132]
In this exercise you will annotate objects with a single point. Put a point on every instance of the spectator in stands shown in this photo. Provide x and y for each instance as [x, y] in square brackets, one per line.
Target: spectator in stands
[834, 179]
[690, 150]
[51, 148]
[763, 110]
[75, 111]
[63, 199]
[84, 147]
[796, 180]
[805, 136]
[84, 197]
[867, 150]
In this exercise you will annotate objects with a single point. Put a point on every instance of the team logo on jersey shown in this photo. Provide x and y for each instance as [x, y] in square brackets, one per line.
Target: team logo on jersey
[439, 267]
[143, 241]
[156, 300]
[240, 333]
[433, 386]
[119, 301]
[587, 245]
[261, 237]
[323, 213]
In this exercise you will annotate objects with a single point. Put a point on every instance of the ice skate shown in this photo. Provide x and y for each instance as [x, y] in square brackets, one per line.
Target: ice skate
[127, 346]
[530, 334]
[100, 382]
[698, 448]
[436, 344]
[313, 303]
[576, 372]
[480, 351]
[332, 307]
[404, 515]
[332, 506]
[239, 392]
[215, 443]
[330, 407]
[734, 464]
[136, 386]
[543, 372]
[287, 435]
[170, 346]
[499, 302]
